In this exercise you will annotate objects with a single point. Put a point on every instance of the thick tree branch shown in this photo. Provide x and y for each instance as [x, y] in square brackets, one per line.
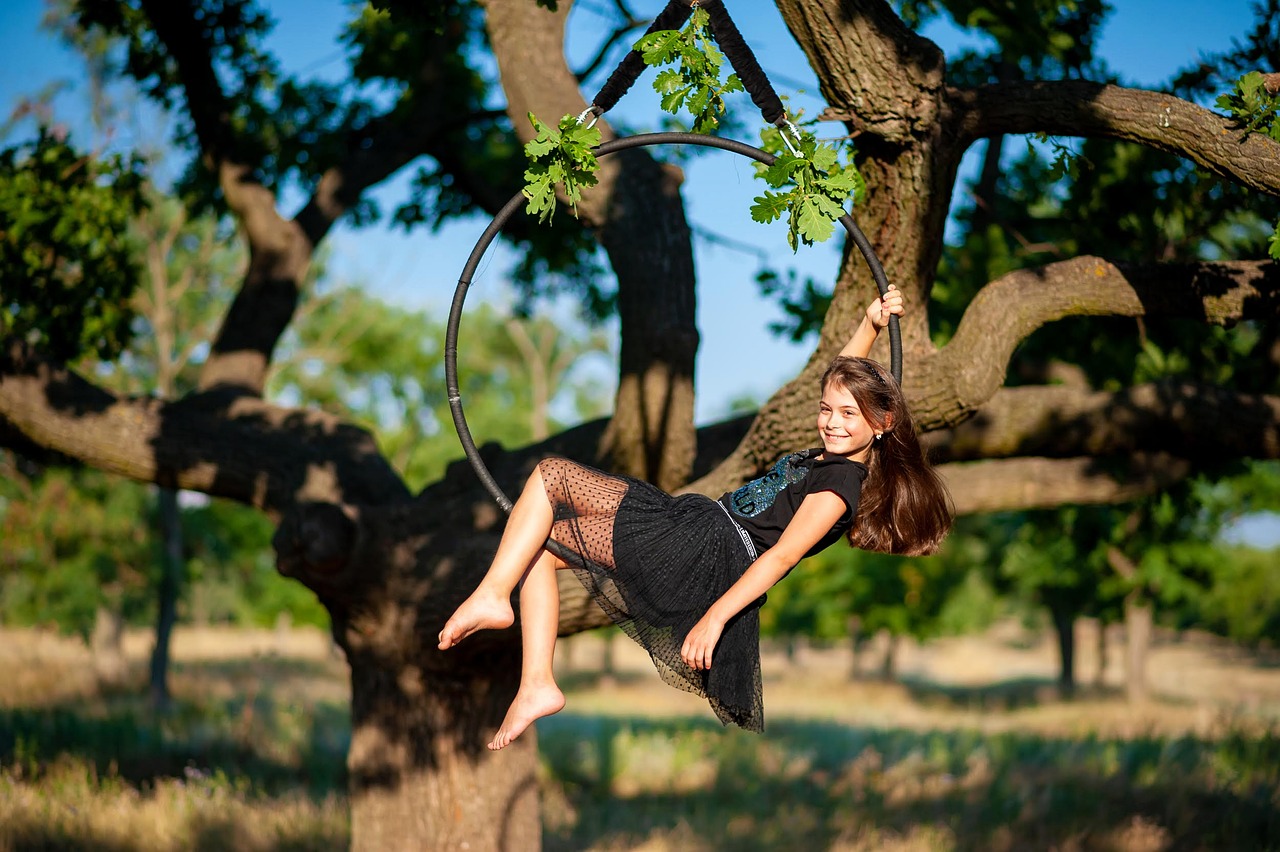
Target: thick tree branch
[222, 444]
[1004, 485]
[428, 124]
[192, 53]
[959, 379]
[1208, 424]
[864, 55]
[1086, 109]
[241, 352]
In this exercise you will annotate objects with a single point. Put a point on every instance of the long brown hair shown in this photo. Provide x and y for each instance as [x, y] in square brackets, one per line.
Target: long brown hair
[904, 507]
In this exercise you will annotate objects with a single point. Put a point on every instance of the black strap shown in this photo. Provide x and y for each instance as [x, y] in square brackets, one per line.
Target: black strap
[632, 65]
[726, 34]
[744, 62]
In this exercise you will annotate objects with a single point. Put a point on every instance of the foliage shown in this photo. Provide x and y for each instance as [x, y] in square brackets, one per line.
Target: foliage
[1056, 559]
[1241, 600]
[695, 83]
[560, 156]
[72, 540]
[290, 130]
[1255, 109]
[232, 572]
[382, 366]
[818, 181]
[67, 273]
[904, 596]
[1034, 38]
[1253, 106]
[95, 528]
[818, 185]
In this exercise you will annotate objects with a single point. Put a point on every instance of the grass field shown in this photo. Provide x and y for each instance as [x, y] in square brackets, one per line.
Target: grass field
[971, 749]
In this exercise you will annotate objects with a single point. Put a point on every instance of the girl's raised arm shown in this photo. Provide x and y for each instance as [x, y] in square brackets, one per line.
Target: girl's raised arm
[876, 318]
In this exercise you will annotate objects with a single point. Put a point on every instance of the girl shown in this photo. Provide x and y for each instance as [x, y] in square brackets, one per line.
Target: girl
[685, 576]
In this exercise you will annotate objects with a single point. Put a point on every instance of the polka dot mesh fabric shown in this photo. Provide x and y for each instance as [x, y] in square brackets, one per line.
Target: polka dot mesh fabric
[656, 563]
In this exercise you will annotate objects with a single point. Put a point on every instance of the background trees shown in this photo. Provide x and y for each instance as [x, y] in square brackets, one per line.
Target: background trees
[1031, 405]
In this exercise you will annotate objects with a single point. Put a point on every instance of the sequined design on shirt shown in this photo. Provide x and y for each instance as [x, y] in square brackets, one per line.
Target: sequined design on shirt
[759, 494]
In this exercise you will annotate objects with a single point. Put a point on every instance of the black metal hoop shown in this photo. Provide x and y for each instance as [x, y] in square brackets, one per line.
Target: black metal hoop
[518, 201]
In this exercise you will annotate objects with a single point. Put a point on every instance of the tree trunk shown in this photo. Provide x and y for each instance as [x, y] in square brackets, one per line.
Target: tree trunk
[1137, 628]
[106, 645]
[889, 665]
[638, 217]
[857, 642]
[608, 666]
[1099, 678]
[421, 777]
[1064, 625]
[171, 564]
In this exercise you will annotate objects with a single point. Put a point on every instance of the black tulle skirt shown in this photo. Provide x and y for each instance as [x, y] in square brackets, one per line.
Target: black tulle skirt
[656, 563]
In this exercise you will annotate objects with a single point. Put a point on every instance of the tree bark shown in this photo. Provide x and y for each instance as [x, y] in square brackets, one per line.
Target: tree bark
[1064, 628]
[421, 777]
[167, 591]
[1137, 631]
[106, 646]
[1138, 617]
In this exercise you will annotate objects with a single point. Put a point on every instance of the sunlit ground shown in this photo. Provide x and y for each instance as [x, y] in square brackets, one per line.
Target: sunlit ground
[971, 748]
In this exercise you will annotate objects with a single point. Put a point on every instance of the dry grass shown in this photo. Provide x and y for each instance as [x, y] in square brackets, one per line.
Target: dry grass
[971, 749]
[250, 758]
[69, 807]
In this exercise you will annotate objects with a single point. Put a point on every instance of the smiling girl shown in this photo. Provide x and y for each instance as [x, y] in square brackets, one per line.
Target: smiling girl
[685, 575]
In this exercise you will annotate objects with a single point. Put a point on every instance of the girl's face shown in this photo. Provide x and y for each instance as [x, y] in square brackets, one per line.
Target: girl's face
[841, 425]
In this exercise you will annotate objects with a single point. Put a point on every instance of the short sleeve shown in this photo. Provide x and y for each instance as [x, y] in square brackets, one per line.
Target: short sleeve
[844, 478]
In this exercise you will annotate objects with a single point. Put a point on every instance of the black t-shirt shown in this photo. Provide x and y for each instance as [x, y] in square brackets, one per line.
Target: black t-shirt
[764, 506]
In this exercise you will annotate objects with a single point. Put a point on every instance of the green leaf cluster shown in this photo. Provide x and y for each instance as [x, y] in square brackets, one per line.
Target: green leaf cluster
[1255, 110]
[561, 156]
[73, 540]
[67, 269]
[814, 187]
[695, 83]
[1252, 107]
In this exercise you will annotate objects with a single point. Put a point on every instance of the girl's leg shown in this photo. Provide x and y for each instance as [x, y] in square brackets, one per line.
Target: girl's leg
[538, 694]
[489, 606]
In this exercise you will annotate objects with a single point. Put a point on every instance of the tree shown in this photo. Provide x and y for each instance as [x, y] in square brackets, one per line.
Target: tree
[389, 564]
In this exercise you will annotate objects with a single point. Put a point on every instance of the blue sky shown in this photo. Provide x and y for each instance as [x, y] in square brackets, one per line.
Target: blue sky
[1144, 41]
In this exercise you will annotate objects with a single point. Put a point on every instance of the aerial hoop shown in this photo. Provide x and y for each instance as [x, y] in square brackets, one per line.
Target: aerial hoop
[518, 201]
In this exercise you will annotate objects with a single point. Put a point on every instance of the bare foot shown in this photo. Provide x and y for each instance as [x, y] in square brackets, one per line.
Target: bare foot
[531, 703]
[481, 611]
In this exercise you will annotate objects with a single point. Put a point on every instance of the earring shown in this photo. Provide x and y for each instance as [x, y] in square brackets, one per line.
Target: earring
[879, 435]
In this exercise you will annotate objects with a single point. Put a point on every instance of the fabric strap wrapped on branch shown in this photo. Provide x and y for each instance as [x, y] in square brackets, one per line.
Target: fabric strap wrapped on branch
[726, 35]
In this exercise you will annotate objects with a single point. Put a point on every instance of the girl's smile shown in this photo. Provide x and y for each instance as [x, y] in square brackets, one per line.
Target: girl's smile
[842, 427]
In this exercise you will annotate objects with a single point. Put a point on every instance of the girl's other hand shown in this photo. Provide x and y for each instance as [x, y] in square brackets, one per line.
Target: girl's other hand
[701, 642]
[879, 311]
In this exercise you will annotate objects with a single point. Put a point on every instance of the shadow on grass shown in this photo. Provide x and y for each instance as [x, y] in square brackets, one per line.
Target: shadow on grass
[812, 785]
[273, 747]
[1012, 694]
[280, 671]
[572, 681]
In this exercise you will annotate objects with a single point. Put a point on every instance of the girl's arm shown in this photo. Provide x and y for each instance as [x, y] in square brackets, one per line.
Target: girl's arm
[817, 514]
[876, 318]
